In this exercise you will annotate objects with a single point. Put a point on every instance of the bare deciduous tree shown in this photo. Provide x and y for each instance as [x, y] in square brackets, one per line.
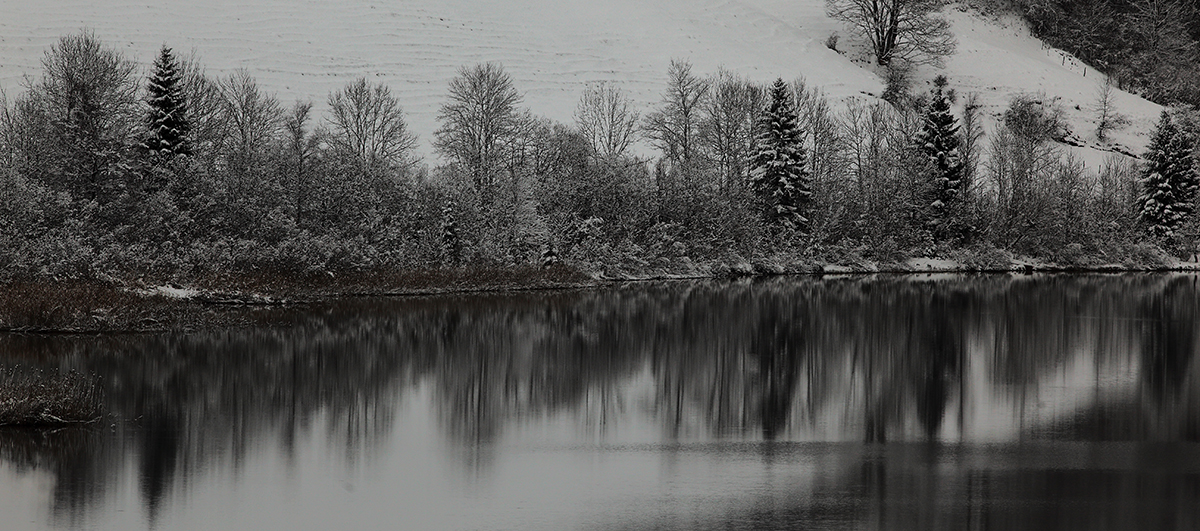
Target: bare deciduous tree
[1107, 117]
[888, 175]
[521, 157]
[23, 131]
[1019, 166]
[730, 114]
[898, 29]
[1116, 189]
[606, 118]
[866, 128]
[556, 151]
[674, 126]
[206, 108]
[826, 155]
[299, 148]
[480, 114]
[972, 138]
[824, 140]
[88, 99]
[8, 142]
[253, 122]
[367, 123]
[1161, 26]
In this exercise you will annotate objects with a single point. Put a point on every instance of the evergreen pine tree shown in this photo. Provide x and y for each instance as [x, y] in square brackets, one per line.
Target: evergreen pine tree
[1170, 181]
[778, 174]
[166, 120]
[939, 140]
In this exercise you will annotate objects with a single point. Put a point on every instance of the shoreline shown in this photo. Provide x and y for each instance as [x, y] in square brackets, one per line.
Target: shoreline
[90, 307]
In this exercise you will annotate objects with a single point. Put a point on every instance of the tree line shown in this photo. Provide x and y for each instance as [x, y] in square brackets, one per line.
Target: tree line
[183, 175]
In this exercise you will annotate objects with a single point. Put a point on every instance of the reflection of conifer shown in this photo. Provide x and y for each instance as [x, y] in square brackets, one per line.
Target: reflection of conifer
[166, 120]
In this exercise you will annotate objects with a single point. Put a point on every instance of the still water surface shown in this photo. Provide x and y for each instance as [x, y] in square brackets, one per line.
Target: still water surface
[947, 402]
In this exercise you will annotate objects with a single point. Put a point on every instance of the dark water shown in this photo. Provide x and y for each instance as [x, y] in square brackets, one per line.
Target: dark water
[889, 403]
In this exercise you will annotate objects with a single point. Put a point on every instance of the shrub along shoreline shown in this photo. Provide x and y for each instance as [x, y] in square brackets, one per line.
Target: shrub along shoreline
[110, 306]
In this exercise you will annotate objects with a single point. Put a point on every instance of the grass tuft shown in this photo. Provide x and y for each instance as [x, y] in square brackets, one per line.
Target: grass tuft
[36, 397]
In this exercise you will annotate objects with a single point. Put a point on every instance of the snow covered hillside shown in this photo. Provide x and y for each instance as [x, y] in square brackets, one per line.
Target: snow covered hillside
[552, 48]
[998, 58]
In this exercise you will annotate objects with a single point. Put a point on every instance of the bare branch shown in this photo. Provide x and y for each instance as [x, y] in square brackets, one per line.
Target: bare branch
[480, 113]
[367, 122]
[605, 117]
[898, 29]
[672, 127]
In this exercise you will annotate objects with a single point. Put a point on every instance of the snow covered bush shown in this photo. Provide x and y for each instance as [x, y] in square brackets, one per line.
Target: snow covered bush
[1032, 117]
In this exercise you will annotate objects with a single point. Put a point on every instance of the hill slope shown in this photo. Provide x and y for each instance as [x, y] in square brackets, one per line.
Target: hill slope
[998, 58]
[552, 48]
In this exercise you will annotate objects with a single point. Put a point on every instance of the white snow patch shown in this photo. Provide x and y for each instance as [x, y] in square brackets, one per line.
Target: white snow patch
[173, 292]
[302, 50]
[933, 264]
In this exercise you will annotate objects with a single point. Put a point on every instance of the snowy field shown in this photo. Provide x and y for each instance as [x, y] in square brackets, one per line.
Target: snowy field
[552, 48]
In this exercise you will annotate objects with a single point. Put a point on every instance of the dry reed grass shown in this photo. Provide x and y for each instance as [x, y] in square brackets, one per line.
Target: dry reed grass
[37, 397]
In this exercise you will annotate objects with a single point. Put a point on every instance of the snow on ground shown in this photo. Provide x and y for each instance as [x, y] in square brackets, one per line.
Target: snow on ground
[171, 292]
[932, 264]
[998, 58]
[303, 49]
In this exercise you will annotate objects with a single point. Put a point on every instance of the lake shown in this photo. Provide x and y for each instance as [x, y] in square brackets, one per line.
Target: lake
[888, 402]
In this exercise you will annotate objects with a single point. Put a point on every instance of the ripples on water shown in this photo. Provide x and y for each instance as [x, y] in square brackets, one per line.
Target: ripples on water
[885, 403]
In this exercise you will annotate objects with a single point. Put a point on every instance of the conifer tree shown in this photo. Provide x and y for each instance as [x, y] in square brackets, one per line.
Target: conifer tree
[167, 118]
[778, 174]
[939, 140]
[1170, 181]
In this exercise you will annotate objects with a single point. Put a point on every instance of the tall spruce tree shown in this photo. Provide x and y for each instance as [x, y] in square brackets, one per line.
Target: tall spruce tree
[778, 174]
[1170, 181]
[167, 124]
[939, 140]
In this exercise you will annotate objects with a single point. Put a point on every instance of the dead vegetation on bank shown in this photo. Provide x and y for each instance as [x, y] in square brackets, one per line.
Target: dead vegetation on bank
[111, 306]
[93, 306]
[39, 398]
[83, 306]
[292, 287]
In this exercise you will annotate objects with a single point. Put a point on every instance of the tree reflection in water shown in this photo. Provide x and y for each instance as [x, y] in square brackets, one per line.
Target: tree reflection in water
[889, 364]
